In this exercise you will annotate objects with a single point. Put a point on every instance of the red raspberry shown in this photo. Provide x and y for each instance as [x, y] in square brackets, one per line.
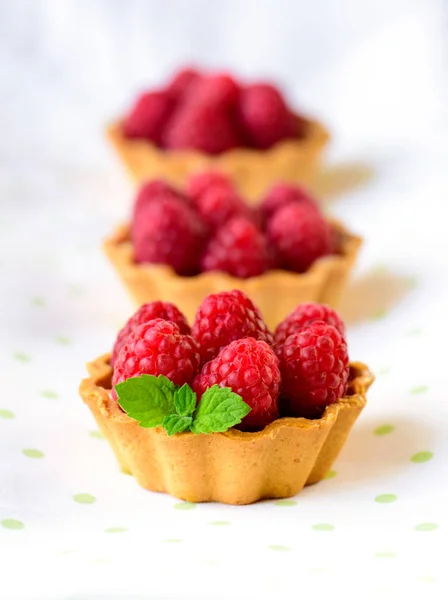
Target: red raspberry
[158, 348]
[200, 182]
[305, 314]
[181, 84]
[250, 368]
[282, 194]
[149, 312]
[218, 90]
[156, 190]
[201, 127]
[225, 317]
[315, 369]
[265, 116]
[148, 116]
[238, 248]
[300, 235]
[218, 204]
[168, 232]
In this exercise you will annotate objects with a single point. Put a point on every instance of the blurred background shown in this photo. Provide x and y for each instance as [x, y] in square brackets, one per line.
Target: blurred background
[366, 67]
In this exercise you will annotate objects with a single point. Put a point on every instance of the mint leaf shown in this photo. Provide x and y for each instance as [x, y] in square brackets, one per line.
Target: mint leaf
[175, 424]
[147, 399]
[219, 409]
[185, 401]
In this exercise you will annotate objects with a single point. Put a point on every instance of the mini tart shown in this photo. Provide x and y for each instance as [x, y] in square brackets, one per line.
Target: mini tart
[234, 467]
[276, 292]
[252, 170]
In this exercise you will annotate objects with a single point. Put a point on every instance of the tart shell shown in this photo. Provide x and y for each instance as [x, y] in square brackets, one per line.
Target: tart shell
[276, 293]
[233, 467]
[252, 170]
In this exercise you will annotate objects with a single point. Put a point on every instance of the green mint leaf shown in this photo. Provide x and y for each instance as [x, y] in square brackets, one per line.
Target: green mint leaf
[219, 409]
[147, 399]
[175, 424]
[185, 401]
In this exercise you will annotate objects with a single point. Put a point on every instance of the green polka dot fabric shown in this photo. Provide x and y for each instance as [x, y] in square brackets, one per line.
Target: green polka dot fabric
[72, 524]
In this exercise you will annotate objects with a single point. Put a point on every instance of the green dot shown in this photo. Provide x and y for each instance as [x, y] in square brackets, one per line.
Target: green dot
[84, 498]
[6, 414]
[97, 435]
[12, 524]
[426, 527]
[75, 290]
[184, 506]
[220, 523]
[427, 578]
[422, 457]
[38, 301]
[285, 502]
[382, 371]
[330, 474]
[379, 314]
[380, 269]
[385, 554]
[323, 527]
[415, 332]
[116, 530]
[33, 453]
[21, 357]
[173, 541]
[63, 340]
[279, 547]
[50, 394]
[419, 389]
[386, 498]
[383, 429]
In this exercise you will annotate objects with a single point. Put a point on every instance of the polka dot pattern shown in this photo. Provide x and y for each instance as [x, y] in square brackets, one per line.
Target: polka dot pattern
[426, 527]
[84, 498]
[421, 457]
[33, 453]
[383, 429]
[12, 524]
[386, 498]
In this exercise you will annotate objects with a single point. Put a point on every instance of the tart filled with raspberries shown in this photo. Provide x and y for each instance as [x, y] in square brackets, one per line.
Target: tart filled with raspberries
[227, 411]
[184, 244]
[212, 120]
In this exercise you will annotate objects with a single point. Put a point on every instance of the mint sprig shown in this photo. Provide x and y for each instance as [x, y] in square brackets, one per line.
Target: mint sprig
[219, 409]
[157, 401]
[149, 414]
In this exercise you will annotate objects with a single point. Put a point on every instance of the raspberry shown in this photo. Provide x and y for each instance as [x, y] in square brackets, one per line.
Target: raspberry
[182, 83]
[315, 369]
[265, 116]
[238, 248]
[168, 232]
[280, 195]
[225, 317]
[155, 190]
[158, 348]
[200, 182]
[148, 312]
[305, 314]
[219, 203]
[200, 127]
[218, 90]
[300, 235]
[250, 368]
[148, 116]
